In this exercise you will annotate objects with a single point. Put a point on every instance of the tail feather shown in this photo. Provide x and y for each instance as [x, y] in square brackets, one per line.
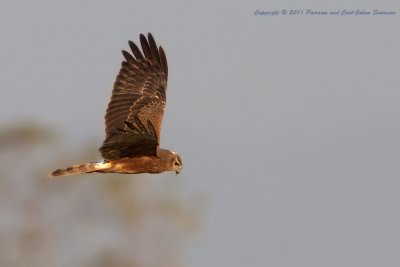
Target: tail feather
[78, 169]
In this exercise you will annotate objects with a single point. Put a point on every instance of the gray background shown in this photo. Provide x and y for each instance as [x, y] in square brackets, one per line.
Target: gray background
[289, 125]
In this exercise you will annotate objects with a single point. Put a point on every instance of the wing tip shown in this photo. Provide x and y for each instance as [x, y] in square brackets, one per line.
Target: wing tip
[128, 57]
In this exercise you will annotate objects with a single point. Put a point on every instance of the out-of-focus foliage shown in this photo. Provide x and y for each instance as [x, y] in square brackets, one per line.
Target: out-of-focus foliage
[91, 220]
[25, 133]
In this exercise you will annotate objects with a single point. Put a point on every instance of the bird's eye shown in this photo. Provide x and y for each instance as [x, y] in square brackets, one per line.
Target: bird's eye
[176, 163]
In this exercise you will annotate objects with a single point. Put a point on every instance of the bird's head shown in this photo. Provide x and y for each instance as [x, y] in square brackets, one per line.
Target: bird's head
[171, 160]
[175, 162]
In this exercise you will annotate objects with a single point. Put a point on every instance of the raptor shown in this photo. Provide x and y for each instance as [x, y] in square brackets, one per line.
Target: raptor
[134, 116]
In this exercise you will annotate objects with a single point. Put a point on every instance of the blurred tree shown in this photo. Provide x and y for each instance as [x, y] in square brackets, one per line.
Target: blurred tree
[93, 220]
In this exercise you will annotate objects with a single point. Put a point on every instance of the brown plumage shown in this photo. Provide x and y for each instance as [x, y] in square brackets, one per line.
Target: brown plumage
[134, 117]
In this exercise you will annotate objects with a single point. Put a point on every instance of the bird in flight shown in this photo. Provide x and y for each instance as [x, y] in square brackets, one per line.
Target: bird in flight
[134, 116]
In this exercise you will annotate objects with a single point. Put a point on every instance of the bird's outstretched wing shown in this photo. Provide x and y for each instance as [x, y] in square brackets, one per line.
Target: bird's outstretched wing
[134, 114]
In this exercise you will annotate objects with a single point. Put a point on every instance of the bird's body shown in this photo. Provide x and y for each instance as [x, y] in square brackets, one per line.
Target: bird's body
[134, 117]
[127, 165]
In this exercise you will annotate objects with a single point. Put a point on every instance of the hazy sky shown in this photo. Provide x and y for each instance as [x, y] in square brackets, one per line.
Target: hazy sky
[289, 124]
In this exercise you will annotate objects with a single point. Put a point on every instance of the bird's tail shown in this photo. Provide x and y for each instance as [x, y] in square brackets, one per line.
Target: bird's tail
[79, 169]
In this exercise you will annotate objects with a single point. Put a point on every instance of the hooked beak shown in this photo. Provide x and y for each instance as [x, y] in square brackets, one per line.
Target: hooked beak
[177, 171]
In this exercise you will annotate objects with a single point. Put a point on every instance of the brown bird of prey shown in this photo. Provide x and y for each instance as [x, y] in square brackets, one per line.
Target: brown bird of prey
[134, 116]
